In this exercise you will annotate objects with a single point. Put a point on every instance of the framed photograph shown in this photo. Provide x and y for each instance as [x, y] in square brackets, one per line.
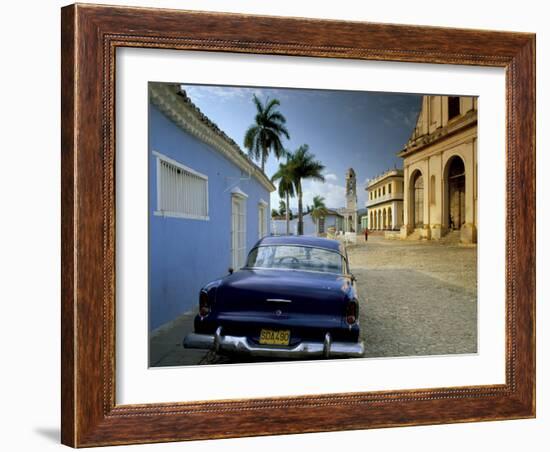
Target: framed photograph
[282, 225]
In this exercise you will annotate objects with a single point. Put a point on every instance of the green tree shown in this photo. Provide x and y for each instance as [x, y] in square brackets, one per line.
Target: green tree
[265, 134]
[282, 207]
[304, 166]
[318, 209]
[274, 213]
[285, 176]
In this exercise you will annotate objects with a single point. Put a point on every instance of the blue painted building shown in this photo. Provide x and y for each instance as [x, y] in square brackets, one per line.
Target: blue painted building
[208, 203]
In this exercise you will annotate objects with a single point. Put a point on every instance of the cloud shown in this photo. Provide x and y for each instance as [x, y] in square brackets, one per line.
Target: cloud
[219, 93]
[398, 110]
[331, 177]
[225, 94]
[335, 195]
[396, 116]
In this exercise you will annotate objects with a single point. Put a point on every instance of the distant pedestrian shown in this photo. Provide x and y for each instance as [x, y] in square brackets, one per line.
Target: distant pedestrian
[366, 234]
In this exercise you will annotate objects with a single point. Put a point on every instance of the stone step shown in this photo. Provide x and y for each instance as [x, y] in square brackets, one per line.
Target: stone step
[452, 237]
[415, 235]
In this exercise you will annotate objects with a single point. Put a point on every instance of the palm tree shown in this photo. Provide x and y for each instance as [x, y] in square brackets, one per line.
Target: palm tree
[285, 176]
[282, 207]
[318, 209]
[265, 134]
[304, 166]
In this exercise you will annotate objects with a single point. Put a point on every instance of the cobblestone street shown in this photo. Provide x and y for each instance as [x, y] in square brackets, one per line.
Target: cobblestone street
[417, 298]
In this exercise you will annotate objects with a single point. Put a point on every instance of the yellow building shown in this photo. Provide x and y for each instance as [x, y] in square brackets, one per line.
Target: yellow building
[440, 170]
[385, 201]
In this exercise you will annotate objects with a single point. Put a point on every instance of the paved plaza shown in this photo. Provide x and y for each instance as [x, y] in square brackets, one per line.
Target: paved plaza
[417, 298]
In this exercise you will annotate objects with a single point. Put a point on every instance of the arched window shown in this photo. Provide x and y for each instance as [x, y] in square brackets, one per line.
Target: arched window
[432, 189]
[456, 199]
[418, 200]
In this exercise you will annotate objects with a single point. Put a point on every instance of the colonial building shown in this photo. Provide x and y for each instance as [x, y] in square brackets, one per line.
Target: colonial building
[349, 213]
[208, 203]
[440, 170]
[385, 201]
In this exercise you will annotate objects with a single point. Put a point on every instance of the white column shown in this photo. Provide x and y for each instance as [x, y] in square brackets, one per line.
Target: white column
[406, 197]
[426, 175]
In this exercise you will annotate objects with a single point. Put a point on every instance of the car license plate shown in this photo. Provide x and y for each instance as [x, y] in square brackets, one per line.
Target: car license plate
[274, 337]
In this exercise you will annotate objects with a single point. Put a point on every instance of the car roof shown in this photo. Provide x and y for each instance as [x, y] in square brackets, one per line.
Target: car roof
[304, 240]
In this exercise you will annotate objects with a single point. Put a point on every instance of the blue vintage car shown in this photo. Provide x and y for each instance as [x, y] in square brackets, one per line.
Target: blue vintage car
[294, 298]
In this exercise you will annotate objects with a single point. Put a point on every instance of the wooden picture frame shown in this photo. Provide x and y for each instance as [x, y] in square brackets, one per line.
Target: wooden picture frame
[90, 37]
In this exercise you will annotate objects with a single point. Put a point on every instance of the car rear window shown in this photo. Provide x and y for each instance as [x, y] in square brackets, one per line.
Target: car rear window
[295, 257]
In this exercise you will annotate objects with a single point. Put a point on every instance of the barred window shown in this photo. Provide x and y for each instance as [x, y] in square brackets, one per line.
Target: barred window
[181, 191]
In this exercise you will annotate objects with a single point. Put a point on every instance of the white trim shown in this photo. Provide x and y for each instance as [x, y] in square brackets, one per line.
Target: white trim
[207, 217]
[159, 157]
[263, 203]
[239, 230]
[236, 191]
[179, 165]
[262, 219]
[157, 162]
[165, 213]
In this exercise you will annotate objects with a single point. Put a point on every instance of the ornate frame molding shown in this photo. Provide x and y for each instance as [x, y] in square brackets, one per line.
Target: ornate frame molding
[90, 36]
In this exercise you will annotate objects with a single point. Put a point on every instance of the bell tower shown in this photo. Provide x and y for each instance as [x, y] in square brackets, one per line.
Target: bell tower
[350, 212]
[351, 190]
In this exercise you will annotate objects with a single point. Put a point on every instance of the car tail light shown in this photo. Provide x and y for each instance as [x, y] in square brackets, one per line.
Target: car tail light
[352, 311]
[204, 304]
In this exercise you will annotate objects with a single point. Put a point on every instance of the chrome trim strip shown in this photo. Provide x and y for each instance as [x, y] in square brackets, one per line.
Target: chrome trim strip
[278, 300]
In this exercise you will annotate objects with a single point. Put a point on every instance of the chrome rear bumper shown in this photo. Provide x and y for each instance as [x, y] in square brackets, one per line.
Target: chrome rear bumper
[239, 344]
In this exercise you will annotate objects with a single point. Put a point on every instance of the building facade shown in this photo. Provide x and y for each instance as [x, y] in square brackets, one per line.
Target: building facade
[440, 170]
[362, 219]
[385, 201]
[349, 213]
[208, 203]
